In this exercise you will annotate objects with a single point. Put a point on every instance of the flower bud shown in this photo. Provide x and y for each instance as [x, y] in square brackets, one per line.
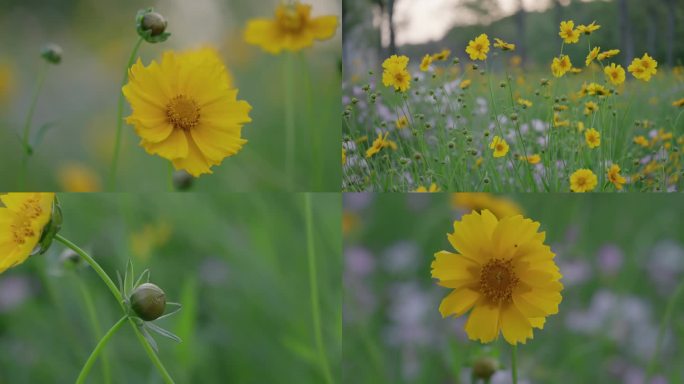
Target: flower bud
[182, 180]
[485, 367]
[148, 301]
[151, 26]
[52, 53]
[69, 258]
[50, 230]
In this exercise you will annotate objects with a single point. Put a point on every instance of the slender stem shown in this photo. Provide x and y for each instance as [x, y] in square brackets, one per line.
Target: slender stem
[661, 332]
[95, 323]
[514, 363]
[119, 121]
[98, 348]
[315, 311]
[288, 76]
[27, 127]
[117, 295]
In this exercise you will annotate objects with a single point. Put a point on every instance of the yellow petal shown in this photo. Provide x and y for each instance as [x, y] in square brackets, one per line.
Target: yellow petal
[452, 266]
[514, 325]
[194, 163]
[173, 147]
[458, 302]
[473, 233]
[483, 323]
[324, 27]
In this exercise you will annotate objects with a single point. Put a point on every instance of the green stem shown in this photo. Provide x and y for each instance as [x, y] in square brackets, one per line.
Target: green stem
[514, 363]
[117, 295]
[288, 76]
[98, 348]
[94, 321]
[315, 311]
[119, 122]
[27, 127]
[661, 332]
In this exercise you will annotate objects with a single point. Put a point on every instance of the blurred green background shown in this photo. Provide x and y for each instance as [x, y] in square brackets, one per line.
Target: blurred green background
[80, 95]
[621, 256]
[236, 262]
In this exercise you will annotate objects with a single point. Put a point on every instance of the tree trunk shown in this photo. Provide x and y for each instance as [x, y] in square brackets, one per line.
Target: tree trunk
[671, 9]
[625, 31]
[390, 16]
[520, 25]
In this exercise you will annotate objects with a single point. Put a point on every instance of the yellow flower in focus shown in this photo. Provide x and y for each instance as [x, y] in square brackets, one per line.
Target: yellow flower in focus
[402, 122]
[504, 272]
[425, 64]
[498, 43]
[78, 178]
[560, 65]
[186, 110]
[615, 177]
[588, 29]
[568, 33]
[593, 54]
[583, 180]
[500, 146]
[608, 54]
[477, 201]
[465, 84]
[615, 74]
[477, 49]
[292, 29]
[678, 103]
[395, 73]
[532, 159]
[524, 102]
[643, 68]
[592, 137]
[641, 141]
[433, 188]
[590, 107]
[22, 220]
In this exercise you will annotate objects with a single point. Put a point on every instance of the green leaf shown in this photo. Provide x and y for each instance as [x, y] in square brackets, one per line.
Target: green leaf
[163, 332]
[301, 350]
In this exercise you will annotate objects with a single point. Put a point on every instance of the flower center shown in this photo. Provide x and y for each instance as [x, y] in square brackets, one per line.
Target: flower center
[289, 19]
[21, 227]
[581, 181]
[182, 112]
[497, 280]
[478, 47]
[499, 147]
[399, 77]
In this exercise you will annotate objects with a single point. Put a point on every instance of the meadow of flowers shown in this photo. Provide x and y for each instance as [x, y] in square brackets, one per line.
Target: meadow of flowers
[578, 289]
[478, 121]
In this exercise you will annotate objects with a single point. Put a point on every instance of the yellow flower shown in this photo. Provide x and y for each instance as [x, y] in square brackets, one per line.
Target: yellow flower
[22, 221]
[148, 238]
[568, 33]
[532, 159]
[503, 45]
[433, 188]
[465, 84]
[557, 122]
[607, 54]
[615, 74]
[425, 64]
[380, 143]
[75, 177]
[515, 61]
[477, 49]
[590, 107]
[588, 29]
[596, 89]
[504, 272]
[186, 110]
[592, 55]
[524, 102]
[592, 137]
[344, 156]
[641, 141]
[442, 56]
[615, 177]
[395, 73]
[575, 70]
[643, 68]
[560, 65]
[583, 180]
[7, 83]
[402, 122]
[580, 126]
[678, 103]
[500, 146]
[477, 201]
[292, 29]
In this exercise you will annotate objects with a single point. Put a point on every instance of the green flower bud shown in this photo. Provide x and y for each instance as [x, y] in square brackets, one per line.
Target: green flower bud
[182, 180]
[485, 367]
[52, 53]
[148, 301]
[151, 26]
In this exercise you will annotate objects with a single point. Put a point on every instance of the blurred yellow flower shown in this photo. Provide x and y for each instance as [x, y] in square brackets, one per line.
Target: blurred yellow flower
[583, 180]
[568, 33]
[607, 54]
[615, 177]
[395, 73]
[292, 29]
[477, 201]
[557, 122]
[524, 102]
[425, 64]
[615, 74]
[560, 65]
[441, 56]
[498, 43]
[350, 221]
[465, 84]
[6, 81]
[500, 146]
[151, 236]
[592, 137]
[477, 49]
[504, 272]
[185, 109]
[643, 68]
[593, 54]
[22, 220]
[590, 107]
[380, 143]
[433, 188]
[588, 29]
[596, 89]
[678, 103]
[401, 122]
[344, 156]
[532, 159]
[74, 177]
[641, 141]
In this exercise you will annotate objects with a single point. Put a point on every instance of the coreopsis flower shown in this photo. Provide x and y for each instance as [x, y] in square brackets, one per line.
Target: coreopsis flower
[292, 29]
[594, 89]
[583, 180]
[678, 103]
[642, 141]
[532, 159]
[395, 73]
[557, 122]
[74, 177]
[607, 54]
[592, 137]
[425, 63]
[380, 142]
[498, 43]
[560, 65]
[615, 177]
[433, 188]
[580, 126]
[25, 225]
[568, 33]
[478, 48]
[186, 110]
[401, 122]
[575, 70]
[441, 56]
[524, 102]
[499, 146]
[504, 272]
[615, 74]
[588, 29]
[593, 54]
[590, 107]
[465, 84]
[643, 67]
[477, 201]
